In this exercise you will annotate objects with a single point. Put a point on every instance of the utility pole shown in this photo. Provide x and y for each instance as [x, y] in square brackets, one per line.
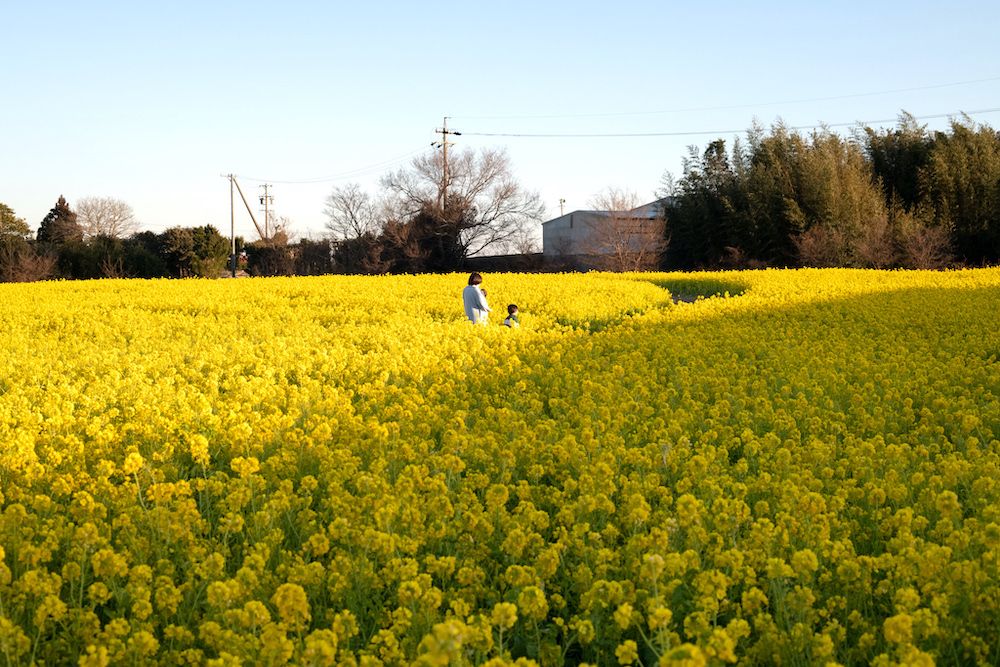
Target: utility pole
[266, 200]
[232, 223]
[240, 190]
[561, 202]
[444, 143]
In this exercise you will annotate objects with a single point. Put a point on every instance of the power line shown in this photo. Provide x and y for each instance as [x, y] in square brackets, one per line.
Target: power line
[704, 132]
[362, 171]
[730, 107]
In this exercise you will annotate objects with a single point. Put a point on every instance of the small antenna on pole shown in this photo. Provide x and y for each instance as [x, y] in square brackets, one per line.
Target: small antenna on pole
[266, 200]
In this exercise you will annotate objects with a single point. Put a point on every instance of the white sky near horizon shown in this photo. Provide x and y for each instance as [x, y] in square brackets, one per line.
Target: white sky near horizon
[151, 103]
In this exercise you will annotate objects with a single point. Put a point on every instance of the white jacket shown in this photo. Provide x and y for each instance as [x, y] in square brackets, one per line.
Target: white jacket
[475, 304]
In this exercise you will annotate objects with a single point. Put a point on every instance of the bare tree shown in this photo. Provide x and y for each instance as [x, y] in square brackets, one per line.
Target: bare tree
[625, 235]
[736, 259]
[106, 216]
[927, 247]
[526, 243]
[820, 246]
[113, 268]
[25, 264]
[480, 207]
[875, 246]
[562, 247]
[351, 212]
[283, 232]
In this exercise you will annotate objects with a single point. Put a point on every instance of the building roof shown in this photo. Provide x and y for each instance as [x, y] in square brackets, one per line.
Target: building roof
[650, 210]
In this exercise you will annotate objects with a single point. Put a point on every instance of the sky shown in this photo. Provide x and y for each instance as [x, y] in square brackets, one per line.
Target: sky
[152, 103]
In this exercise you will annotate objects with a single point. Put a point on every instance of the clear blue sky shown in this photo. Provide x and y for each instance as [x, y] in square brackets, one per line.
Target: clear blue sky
[151, 102]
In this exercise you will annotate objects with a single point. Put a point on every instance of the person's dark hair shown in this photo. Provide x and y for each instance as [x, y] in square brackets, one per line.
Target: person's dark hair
[475, 279]
[511, 308]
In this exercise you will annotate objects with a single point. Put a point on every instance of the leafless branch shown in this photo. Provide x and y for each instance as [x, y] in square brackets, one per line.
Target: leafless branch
[25, 265]
[106, 216]
[491, 209]
[351, 212]
[625, 236]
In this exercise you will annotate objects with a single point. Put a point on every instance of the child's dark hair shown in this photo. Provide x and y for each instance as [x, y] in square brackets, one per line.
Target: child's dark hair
[511, 309]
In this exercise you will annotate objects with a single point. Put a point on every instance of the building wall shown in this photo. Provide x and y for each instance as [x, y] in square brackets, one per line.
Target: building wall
[567, 235]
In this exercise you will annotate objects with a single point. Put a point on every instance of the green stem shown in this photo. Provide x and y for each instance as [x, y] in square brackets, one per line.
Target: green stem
[83, 575]
[6, 651]
[138, 492]
[34, 647]
[648, 642]
[996, 569]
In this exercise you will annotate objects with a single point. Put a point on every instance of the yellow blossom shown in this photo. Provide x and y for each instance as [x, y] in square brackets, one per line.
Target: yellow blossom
[947, 502]
[623, 615]
[804, 562]
[627, 652]
[660, 618]
[504, 615]
[685, 655]
[331, 477]
[292, 604]
[133, 463]
[898, 629]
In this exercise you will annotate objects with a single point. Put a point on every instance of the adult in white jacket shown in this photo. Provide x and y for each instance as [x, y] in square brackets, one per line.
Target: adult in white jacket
[475, 303]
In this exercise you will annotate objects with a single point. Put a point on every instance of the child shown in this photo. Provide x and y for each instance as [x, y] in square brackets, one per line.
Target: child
[511, 320]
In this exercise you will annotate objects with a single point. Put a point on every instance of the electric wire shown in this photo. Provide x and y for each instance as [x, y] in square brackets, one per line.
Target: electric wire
[402, 159]
[361, 171]
[730, 107]
[716, 132]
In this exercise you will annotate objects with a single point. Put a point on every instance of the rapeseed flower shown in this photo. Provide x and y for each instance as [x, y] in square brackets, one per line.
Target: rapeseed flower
[805, 469]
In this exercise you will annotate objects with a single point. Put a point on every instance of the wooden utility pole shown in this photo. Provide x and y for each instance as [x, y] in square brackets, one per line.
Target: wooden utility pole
[240, 190]
[232, 226]
[232, 223]
[444, 143]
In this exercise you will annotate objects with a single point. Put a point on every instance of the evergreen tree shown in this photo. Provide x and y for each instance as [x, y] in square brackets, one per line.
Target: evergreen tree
[18, 260]
[59, 227]
[195, 251]
[697, 224]
[768, 171]
[144, 256]
[754, 209]
[14, 231]
[312, 258]
[897, 157]
[836, 191]
[961, 184]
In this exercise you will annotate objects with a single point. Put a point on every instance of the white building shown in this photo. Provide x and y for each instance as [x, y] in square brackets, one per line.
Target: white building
[570, 238]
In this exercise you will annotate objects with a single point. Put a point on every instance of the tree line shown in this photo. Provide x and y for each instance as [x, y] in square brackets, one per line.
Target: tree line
[901, 197]
[430, 216]
[101, 240]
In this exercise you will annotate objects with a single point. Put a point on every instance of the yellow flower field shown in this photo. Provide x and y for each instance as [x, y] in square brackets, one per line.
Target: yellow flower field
[801, 469]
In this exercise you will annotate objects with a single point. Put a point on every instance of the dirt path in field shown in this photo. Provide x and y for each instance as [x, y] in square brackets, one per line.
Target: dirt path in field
[683, 298]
